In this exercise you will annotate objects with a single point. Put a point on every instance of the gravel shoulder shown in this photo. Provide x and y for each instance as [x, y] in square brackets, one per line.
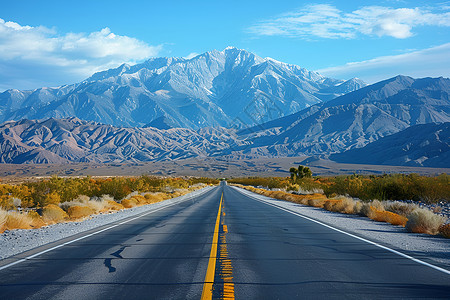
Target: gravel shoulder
[432, 249]
[20, 240]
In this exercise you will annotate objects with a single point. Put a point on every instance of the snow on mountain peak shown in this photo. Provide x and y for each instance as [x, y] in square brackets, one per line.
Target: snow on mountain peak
[209, 89]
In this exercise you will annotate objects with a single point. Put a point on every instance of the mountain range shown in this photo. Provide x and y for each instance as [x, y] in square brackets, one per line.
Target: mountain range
[227, 88]
[377, 124]
[231, 104]
[355, 119]
[426, 145]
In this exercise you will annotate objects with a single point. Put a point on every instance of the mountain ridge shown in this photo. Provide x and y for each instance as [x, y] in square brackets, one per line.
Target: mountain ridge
[216, 88]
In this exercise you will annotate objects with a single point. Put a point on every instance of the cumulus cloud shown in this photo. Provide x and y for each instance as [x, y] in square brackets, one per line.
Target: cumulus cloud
[41, 56]
[327, 21]
[431, 62]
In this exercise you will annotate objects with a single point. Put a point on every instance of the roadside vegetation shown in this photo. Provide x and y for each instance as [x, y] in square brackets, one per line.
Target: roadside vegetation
[376, 197]
[36, 204]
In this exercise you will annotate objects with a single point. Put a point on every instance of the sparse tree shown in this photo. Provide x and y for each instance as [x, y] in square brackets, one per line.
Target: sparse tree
[301, 172]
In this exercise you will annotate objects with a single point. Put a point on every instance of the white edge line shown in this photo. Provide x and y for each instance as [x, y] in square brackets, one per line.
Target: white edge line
[352, 235]
[93, 233]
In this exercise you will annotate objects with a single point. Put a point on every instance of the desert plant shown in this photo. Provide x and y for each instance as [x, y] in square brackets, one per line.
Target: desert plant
[424, 221]
[388, 217]
[17, 220]
[78, 212]
[403, 209]
[36, 220]
[111, 205]
[369, 207]
[3, 217]
[344, 205]
[53, 214]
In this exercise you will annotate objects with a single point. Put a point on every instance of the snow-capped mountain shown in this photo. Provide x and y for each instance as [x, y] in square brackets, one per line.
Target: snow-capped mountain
[373, 113]
[228, 88]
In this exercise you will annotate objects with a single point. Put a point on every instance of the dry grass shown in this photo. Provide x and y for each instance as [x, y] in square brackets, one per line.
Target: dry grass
[400, 208]
[341, 204]
[388, 217]
[3, 217]
[111, 205]
[129, 203]
[444, 230]
[79, 208]
[53, 214]
[155, 197]
[16, 220]
[412, 217]
[316, 202]
[36, 220]
[368, 208]
[10, 220]
[424, 221]
[79, 212]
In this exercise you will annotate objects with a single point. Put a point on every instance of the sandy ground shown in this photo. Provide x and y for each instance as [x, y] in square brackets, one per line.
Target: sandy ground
[207, 167]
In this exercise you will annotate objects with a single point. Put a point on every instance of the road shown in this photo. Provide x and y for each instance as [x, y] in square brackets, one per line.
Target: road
[263, 252]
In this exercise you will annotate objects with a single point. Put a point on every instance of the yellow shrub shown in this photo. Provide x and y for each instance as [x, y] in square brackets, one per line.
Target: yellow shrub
[53, 214]
[78, 212]
[154, 197]
[17, 220]
[112, 205]
[388, 217]
[329, 204]
[36, 220]
[129, 203]
[3, 216]
[316, 202]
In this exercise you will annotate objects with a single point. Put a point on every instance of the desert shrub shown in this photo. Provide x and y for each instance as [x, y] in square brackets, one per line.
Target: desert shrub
[129, 203]
[36, 220]
[154, 197]
[316, 202]
[388, 217]
[328, 205]
[403, 209]
[78, 212]
[111, 205]
[16, 220]
[357, 208]
[424, 221]
[53, 214]
[343, 205]
[444, 230]
[6, 202]
[3, 217]
[391, 187]
[369, 207]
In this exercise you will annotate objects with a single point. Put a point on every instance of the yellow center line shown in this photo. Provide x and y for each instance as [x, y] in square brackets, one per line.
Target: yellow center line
[209, 278]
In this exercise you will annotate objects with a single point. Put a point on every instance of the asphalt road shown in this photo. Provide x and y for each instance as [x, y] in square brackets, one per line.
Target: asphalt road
[263, 253]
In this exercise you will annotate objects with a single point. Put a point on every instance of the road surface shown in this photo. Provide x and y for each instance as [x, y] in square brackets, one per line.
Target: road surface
[259, 252]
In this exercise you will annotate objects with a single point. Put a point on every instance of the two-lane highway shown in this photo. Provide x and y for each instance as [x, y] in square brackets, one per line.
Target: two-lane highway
[258, 252]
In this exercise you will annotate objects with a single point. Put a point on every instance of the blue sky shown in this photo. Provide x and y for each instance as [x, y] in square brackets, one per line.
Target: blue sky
[49, 43]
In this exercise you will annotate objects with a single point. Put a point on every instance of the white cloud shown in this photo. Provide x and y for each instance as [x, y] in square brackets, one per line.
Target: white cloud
[431, 62]
[327, 21]
[39, 55]
[191, 55]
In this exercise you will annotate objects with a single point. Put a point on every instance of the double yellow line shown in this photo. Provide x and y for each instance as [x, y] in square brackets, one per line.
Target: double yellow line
[210, 272]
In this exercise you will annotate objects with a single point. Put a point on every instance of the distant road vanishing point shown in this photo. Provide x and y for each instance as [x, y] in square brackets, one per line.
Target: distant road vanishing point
[224, 244]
